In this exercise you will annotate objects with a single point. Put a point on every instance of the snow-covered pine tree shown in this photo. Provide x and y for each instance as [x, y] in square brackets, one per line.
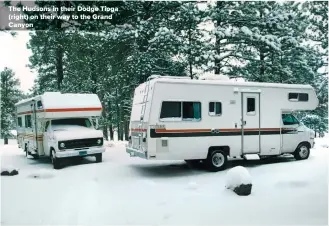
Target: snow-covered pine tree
[10, 94]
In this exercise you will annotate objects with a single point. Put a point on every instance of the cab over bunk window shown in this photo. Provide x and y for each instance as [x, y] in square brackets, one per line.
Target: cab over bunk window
[28, 122]
[175, 110]
[19, 121]
[303, 97]
[215, 108]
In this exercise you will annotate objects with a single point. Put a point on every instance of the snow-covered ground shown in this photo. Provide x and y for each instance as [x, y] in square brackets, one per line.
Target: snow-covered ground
[124, 190]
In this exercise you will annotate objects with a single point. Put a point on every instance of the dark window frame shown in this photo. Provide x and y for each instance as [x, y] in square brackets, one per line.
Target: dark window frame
[28, 121]
[19, 121]
[181, 117]
[301, 97]
[215, 108]
[249, 111]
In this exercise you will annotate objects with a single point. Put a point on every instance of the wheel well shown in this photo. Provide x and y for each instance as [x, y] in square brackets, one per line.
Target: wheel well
[225, 149]
[306, 143]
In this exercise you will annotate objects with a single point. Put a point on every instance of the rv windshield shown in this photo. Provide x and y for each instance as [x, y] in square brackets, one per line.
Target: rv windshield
[72, 122]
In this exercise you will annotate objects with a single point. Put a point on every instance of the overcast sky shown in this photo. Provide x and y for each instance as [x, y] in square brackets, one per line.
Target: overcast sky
[15, 55]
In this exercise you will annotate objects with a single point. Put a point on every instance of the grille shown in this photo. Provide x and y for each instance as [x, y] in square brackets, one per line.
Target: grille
[81, 143]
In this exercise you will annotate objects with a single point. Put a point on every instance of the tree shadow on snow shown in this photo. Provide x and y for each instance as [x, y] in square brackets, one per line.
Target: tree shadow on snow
[184, 169]
[74, 161]
[166, 170]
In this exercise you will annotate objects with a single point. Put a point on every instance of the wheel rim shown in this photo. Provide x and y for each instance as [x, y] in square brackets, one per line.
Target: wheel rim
[303, 152]
[218, 159]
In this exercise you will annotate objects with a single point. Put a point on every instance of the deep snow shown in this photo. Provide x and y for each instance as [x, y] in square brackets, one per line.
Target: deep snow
[124, 190]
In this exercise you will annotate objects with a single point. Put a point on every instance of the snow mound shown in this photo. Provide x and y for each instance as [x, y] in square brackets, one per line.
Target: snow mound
[237, 176]
[214, 77]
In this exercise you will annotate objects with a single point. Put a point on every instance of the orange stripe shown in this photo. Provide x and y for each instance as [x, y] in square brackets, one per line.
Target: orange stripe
[61, 110]
[71, 109]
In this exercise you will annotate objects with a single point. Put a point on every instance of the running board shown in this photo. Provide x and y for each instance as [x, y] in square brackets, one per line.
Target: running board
[251, 157]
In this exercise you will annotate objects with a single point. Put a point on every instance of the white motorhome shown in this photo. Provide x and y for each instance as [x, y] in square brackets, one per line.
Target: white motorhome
[59, 126]
[176, 118]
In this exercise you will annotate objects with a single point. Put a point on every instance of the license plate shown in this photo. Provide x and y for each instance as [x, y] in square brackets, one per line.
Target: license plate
[82, 152]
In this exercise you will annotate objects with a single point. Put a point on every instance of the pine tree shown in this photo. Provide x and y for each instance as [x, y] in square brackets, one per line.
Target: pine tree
[10, 94]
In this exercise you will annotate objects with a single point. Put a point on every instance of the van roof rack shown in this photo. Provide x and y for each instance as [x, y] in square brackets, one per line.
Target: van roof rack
[167, 76]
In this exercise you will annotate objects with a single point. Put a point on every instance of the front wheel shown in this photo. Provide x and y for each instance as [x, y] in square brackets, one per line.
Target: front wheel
[55, 161]
[302, 152]
[216, 160]
[99, 157]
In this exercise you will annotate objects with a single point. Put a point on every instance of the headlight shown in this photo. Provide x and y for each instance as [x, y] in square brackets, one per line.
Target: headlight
[99, 141]
[62, 145]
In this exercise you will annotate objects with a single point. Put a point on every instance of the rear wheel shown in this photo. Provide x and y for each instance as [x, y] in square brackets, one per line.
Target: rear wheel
[55, 161]
[302, 152]
[25, 149]
[99, 157]
[216, 160]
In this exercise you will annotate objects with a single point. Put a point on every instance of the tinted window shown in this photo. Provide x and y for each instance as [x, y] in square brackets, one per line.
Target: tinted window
[251, 105]
[298, 96]
[303, 97]
[28, 123]
[72, 121]
[19, 121]
[289, 119]
[39, 105]
[215, 108]
[191, 110]
[171, 109]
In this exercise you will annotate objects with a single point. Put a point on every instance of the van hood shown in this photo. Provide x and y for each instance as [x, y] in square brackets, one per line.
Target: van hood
[73, 132]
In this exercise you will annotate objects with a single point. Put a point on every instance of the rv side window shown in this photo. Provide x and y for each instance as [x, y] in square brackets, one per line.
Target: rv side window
[19, 121]
[215, 108]
[298, 97]
[191, 110]
[28, 123]
[39, 105]
[170, 109]
[251, 107]
[289, 119]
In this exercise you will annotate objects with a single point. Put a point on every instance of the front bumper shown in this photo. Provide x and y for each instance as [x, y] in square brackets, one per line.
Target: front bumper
[136, 153]
[82, 152]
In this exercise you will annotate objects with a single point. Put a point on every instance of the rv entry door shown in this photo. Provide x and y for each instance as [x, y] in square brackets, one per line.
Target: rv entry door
[250, 123]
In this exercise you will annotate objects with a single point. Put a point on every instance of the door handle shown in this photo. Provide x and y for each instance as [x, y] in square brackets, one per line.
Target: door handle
[244, 122]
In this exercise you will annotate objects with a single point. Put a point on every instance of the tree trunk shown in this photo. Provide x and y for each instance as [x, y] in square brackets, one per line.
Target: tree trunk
[105, 126]
[262, 64]
[217, 44]
[126, 125]
[59, 50]
[111, 132]
[5, 140]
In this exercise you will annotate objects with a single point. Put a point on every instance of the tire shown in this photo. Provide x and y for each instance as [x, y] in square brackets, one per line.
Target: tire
[216, 161]
[25, 149]
[302, 152]
[55, 161]
[99, 157]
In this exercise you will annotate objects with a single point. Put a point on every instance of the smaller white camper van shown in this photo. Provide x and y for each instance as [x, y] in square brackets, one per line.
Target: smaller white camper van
[60, 126]
[211, 121]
